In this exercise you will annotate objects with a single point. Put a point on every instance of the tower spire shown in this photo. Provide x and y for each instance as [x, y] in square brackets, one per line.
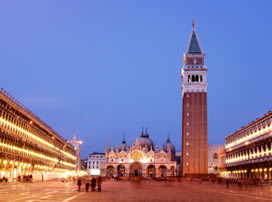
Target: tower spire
[124, 139]
[194, 46]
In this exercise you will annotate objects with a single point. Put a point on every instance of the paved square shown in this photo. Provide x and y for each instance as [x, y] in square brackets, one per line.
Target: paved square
[128, 191]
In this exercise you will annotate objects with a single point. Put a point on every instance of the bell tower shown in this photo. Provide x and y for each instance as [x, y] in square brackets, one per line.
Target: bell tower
[194, 109]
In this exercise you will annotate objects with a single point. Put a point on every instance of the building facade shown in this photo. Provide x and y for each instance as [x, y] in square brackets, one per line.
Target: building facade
[30, 147]
[194, 109]
[141, 159]
[94, 163]
[76, 144]
[213, 158]
[248, 151]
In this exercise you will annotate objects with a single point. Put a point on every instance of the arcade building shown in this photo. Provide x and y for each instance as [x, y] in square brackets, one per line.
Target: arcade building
[248, 151]
[141, 159]
[30, 147]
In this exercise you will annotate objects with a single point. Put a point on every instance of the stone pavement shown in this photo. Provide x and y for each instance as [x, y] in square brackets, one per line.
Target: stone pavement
[128, 191]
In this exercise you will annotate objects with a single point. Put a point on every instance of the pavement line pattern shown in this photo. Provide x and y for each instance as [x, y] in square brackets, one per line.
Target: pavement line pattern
[237, 194]
[73, 197]
[254, 197]
[18, 199]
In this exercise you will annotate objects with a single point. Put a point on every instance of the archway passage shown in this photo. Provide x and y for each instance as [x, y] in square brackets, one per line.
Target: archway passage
[121, 170]
[173, 171]
[136, 169]
[162, 171]
[151, 171]
[110, 171]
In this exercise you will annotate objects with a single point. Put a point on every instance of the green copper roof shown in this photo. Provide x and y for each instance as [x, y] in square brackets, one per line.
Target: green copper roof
[194, 47]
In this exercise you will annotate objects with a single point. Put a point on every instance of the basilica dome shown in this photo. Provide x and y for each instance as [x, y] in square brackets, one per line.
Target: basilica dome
[172, 146]
[124, 145]
[144, 140]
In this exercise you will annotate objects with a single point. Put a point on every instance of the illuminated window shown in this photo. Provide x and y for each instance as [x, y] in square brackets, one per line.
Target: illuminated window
[187, 114]
[187, 153]
[187, 133]
[187, 143]
[187, 124]
[189, 78]
[187, 163]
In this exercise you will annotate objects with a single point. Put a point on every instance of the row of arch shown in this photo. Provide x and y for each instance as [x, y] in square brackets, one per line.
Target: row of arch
[136, 169]
[195, 78]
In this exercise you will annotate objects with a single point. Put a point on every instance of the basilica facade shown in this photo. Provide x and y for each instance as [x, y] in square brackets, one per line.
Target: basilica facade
[140, 159]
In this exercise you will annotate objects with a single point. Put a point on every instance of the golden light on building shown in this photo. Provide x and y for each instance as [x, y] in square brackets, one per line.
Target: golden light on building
[34, 145]
[250, 149]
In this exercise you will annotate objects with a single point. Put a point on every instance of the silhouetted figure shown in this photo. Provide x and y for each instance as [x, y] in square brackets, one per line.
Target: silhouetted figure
[93, 183]
[227, 183]
[79, 182]
[87, 185]
[99, 183]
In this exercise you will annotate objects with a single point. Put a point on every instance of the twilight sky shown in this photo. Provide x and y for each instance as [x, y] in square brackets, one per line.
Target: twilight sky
[102, 69]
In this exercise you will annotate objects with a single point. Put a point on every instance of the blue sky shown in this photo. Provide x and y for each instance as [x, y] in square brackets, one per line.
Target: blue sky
[100, 69]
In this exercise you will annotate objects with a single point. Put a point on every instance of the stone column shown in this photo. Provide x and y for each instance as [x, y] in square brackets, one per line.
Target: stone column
[270, 148]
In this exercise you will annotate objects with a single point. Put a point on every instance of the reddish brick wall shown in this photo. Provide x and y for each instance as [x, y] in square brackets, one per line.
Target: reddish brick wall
[198, 133]
[200, 60]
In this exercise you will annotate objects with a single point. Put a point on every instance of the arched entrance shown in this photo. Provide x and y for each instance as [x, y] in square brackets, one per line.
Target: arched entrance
[136, 169]
[110, 171]
[151, 171]
[121, 170]
[162, 171]
[173, 171]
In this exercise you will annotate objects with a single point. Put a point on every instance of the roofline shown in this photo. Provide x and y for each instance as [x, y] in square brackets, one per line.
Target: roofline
[96, 153]
[29, 114]
[249, 125]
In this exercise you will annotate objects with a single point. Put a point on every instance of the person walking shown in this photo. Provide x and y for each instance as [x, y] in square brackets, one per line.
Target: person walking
[93, 183]
[87, 185]
[99, 183]
[79, 182]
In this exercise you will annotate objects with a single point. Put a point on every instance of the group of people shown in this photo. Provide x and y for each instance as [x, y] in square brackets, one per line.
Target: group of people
[25, 178]
[3, 179]
[93, 182]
